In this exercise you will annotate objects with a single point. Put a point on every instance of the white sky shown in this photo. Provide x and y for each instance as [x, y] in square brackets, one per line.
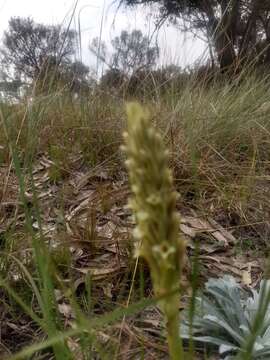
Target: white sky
[174, 46]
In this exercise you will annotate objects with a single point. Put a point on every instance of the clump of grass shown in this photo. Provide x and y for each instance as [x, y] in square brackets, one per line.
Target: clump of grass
[153, 204]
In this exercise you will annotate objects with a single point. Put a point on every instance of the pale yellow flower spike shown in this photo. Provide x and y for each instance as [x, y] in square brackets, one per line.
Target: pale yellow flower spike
[157, 225]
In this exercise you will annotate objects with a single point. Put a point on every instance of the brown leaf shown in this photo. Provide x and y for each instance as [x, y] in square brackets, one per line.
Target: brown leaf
[98, 274]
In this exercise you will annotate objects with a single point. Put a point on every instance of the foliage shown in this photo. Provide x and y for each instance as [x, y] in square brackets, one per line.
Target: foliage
[11, 89]
[27, 46]
[74, 76]
[152, 83]
[132, 52]
[41, 56]
[225, 316]
[113, 78]
[238, 30]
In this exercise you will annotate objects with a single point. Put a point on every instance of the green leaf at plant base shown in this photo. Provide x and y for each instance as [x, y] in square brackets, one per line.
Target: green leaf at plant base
[224, 318]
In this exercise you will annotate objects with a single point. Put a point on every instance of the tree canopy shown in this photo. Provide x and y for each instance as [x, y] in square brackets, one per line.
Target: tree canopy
[27, 46]
[131, 52]
[42, 56]
[237, 30]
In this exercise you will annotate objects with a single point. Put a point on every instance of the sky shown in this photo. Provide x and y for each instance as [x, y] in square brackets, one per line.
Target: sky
[101, 18]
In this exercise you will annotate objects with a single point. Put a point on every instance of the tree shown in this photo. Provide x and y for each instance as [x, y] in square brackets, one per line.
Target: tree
[238, 30]
[132, 52]
[77, 75]
[70, 75]
[113, 79]
[27, 46]
[41, 56]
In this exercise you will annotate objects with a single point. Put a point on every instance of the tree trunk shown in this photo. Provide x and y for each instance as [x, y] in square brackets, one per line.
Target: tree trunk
[250, 34]
[223, 32]
[225, 51]
[267, 35]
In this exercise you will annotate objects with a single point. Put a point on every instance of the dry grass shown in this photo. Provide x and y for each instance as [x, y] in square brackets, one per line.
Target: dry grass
[218, 137]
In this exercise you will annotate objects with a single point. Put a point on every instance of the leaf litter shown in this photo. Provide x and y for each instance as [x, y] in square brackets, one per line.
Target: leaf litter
[86, 213]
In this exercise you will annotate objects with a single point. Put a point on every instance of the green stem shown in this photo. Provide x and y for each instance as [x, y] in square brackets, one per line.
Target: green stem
[172, 324]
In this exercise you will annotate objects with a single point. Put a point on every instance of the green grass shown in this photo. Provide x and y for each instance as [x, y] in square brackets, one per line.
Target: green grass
[218, 139]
